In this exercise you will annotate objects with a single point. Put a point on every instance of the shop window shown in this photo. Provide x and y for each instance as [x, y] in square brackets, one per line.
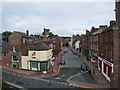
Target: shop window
[104, 68]
[34, 65]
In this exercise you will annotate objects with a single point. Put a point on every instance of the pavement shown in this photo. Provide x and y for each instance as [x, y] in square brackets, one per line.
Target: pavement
[87, 80]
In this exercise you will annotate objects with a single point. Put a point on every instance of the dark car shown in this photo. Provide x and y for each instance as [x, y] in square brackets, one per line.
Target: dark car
[62, 62]
[84, 67]
[74, 52]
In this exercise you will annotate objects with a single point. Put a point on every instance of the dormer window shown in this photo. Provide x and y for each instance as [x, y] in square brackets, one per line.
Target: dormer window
[14, 50]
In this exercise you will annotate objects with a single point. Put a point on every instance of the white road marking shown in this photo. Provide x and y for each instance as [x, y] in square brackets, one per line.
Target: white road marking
[63, 83]
[57, 78]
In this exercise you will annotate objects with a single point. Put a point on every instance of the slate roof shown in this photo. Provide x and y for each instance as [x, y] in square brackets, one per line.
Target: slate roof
[40, 47]
[3, 46]
[21, 34]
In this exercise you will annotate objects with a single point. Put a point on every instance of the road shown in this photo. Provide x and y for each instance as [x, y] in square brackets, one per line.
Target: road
[72, 67]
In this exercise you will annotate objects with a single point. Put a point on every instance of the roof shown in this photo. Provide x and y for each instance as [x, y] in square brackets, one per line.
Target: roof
[3, 46]
[21, 34]
[40, 47]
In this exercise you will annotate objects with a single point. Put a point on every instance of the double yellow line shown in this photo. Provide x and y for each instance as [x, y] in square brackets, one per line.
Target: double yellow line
[14, 85]
[68, 80]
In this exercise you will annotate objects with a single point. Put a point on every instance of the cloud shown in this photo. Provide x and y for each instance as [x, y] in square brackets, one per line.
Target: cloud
[62, 18]
[59, 0]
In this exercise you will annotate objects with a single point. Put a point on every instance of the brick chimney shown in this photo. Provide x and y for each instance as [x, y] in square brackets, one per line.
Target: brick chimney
[87, 31]
[27, 33]
[102, 27]
[112, 23]
[93, 29]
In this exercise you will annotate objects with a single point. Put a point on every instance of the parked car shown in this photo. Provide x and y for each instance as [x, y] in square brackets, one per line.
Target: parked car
[84, 67]
[74, 52]
[65, 51]
[62, 62]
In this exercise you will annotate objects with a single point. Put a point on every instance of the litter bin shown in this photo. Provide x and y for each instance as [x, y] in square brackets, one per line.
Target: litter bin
[44, 72]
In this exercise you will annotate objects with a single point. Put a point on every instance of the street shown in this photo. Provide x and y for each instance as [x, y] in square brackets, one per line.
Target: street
[71, 67]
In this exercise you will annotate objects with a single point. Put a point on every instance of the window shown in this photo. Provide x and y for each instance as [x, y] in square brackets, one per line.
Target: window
[4, 54]
[14, 58]
[14, 50]
[23, 40]
[91, 46]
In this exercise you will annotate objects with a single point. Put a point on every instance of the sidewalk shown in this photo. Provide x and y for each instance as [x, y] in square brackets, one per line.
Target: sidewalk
[96, 80]
[32, 74]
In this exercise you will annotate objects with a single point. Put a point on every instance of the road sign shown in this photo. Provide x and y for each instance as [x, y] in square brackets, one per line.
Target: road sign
[52, 63]
[94, 61]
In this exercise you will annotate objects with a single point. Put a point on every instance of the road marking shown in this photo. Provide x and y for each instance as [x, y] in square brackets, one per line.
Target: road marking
[74, 76]
[14, 85]
[57, 78]
[63, 83]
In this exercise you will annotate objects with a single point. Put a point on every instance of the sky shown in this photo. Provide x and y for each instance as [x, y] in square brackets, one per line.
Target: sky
[62, 18]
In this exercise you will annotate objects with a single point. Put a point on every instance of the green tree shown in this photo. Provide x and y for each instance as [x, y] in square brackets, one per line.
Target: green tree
[51, 35]
[5, 35]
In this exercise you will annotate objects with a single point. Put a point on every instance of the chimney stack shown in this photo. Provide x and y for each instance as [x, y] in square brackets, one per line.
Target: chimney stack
[112, 23]
[87, 31]
[93, 29]
[27, 33]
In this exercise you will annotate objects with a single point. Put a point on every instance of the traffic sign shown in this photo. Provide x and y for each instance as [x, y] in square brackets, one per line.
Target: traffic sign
[52, 63]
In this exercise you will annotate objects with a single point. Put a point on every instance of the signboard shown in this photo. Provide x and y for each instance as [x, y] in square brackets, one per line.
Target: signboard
[52, 63]
[93, 61]
[33, 55]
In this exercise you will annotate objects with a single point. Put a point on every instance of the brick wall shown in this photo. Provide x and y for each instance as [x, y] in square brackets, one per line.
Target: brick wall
[5, 59]
[116, 34]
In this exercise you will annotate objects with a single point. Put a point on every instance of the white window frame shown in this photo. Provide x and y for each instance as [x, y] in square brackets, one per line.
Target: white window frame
[14, 49]
[23, 40]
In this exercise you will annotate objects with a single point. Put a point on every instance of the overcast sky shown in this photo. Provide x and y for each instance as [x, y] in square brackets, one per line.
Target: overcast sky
[62, 18]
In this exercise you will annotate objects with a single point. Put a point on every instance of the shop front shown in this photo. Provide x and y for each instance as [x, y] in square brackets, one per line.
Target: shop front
[39, 65]
[105, 67]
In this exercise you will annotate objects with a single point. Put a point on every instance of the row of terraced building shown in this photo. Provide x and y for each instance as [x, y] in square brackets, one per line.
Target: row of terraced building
[101, 46]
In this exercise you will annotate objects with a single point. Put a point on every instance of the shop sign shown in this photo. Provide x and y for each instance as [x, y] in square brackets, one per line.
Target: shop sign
[93, 61]
[52, 63]
[33, 55]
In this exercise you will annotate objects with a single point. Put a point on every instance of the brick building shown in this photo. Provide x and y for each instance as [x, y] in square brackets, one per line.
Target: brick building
[105, 58]
[95, 43]
[4, 53]
[55, 43]
[86, 43]
[19, 43]
[115, 83]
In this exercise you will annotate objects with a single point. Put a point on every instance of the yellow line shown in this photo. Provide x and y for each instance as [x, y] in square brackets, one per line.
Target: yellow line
[76, 75]
[15, 74]
[68, 80]
[17, 86]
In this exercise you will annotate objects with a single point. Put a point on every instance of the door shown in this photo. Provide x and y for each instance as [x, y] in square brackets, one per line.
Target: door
[43, 66]
[14, 61]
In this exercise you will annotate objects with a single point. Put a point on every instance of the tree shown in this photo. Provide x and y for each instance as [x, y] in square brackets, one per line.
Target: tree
[50, 34]
[5, 35]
